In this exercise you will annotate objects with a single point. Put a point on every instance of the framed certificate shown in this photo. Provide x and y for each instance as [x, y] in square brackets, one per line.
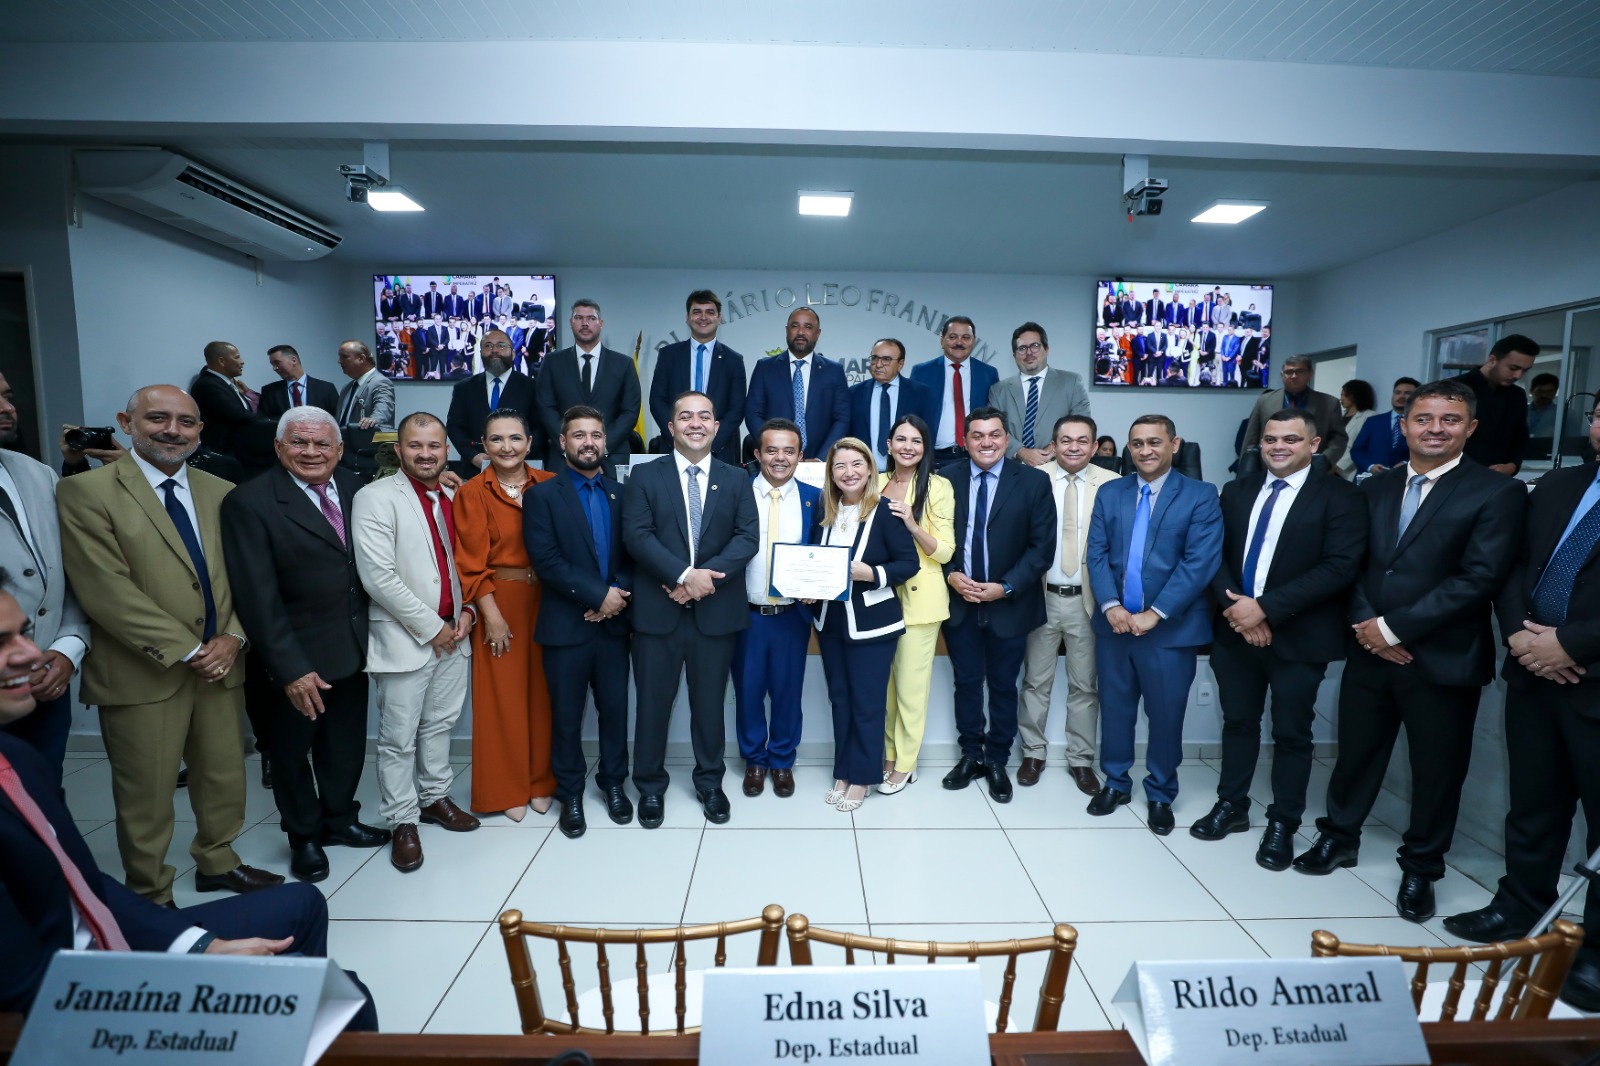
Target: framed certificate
[809, 571]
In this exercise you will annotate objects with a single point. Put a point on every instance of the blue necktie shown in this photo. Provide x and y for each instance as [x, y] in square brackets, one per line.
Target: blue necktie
[599, 527]
[980, 534]
[884, 418]
[700, 369]
[197, 556]
[694, 508]
[1554, 591]
[1252, 557]
[799, 395]
[1133, 581]
[494, 395]
[1398, 437]
[1032, 415]
[1413, 500]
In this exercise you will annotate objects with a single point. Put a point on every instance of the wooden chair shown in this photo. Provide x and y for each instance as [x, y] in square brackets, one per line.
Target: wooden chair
[1060, 944]
[1540, 966]
[525, 982]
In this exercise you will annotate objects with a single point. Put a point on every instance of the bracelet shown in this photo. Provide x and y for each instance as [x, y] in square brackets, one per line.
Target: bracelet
[243, 644]
[199, 946]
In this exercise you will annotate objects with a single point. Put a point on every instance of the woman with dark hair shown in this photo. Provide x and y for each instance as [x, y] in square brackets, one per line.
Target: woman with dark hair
[1357, 401]
[1106, 447]
[925, 502]
[510, 701]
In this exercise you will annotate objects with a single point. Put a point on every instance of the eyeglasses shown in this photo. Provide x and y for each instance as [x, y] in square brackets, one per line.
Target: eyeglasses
[1028, 349]
[490, 346]
[878, 360]
[297, 444]
[1588, 419]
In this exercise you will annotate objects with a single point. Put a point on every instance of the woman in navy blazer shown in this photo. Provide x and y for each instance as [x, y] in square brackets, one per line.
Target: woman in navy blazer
[858, 636]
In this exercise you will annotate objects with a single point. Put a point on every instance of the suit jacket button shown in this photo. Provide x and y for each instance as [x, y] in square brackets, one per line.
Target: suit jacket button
[43, 611]
[27, 573]
[195, 586]
[199, 621]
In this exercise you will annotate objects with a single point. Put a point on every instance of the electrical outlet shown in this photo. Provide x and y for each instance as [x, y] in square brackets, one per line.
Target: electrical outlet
[1205, 694]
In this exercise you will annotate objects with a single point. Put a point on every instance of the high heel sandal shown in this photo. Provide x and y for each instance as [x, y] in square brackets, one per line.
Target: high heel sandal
[847, 805]
[889, 788]
[834, 795]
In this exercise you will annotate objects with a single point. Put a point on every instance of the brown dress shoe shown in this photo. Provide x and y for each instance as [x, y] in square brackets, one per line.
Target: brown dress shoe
[1028, 772]
[755, 780]
[1084, 778]
[241, 878]
[783, 783]
[444, 812]
[405, 850]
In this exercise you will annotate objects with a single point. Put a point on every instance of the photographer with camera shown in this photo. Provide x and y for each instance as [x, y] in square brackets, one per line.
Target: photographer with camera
[79, 444]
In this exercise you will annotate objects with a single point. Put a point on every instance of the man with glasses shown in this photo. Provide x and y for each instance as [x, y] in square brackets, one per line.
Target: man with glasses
[473, 400]
[879, 402]
[1037, 397]
[1298, 393]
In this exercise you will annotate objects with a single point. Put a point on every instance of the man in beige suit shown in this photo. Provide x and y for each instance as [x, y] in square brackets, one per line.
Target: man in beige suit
[141, 540]
[1069, 604]
[417, 646]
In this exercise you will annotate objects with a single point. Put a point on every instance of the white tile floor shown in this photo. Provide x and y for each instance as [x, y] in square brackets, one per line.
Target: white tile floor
[926, 864]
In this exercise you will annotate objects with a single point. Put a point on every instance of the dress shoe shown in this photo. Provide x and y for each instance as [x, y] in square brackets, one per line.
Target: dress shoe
[1028, 772]
[1223, 818]
[541, 804]
[782, 783]
[618, 805]
[516, 814]
[1414, 901]
[444, 812]
[963, 773]
[1486, 925]
[308, 862]
[572, 822]
[1107, 800]
[652, 809]
[1159, 818]
[714, 802]
[183, 777]
[1277, 846]
[241, 878]
[356, 835]
[1582, 990]
[755, 780]
[890, 786]
[405, 851]
[266, 774]
[1325, 856]
[1084, 778]
[999, 783]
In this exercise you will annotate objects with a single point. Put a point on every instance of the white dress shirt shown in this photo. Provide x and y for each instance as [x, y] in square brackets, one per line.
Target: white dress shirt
[578, 352]
[1427, 486]
[873, 406]
[1061, 483]
[805, 365]
[1041, 433]
[694, 353]
[312, 495]
[704, 466]
[791, 530]
[233, 387]
[305, 390]
[945, 435]
[1280, 511]
[488, 386]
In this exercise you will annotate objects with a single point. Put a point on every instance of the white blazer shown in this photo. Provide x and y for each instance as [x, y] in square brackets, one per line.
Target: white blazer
[396, 562]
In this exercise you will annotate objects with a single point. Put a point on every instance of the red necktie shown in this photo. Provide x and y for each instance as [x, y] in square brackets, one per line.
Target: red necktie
[295, 388]
[101, 924]
[960, 401]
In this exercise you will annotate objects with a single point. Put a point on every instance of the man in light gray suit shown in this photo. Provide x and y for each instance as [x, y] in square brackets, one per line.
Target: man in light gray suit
[30, 552]
[1038, 396]
[368, 401]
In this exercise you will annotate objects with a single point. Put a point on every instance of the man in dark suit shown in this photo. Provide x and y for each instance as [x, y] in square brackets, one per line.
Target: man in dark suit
[295, 388]
[1550, 606]
[410, 304]
[1155, 309]
[232, 426]
[483, 304]
[880, 402]
[1292, 544]
[956, 386]
[286, 543]
[433, 301]
[803, 386]
[472, 401]
[1502, 435]
[1132, 310]
[1005, 535]
[702, 364]
[690, 524]
[588, 375]
[1442, 534]
[1382, 441]
[455, 304]
[1155, 539]
[573, 528]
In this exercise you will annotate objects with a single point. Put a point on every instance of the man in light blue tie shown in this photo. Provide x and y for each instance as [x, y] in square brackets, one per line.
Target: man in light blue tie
[1155, 542]
[701, 364]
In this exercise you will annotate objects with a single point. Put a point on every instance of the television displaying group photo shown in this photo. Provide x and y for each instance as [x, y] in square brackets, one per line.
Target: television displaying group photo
[428, 325]
[1183, 335]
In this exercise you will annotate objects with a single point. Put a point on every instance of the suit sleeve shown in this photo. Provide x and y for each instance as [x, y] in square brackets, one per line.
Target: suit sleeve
[742, 546]
[639, 522]
[544, 404]
[247, 550]
[627, 416]
[1001, 398]
[1079, 403]
[1344, 545]
[903, 561]
[661, 402]
[755, 401]
[1252, 429]
[1041, 543]
[938, 518]
[729, 421]
[1226, 577]
[1097, 553]
[1511, 605]
[372, 527]
[472, 545]
[1334, 438]
[839, 415]
[1202, 553]
[1518, 444]
[383, 403]
[582, 585]
[455, 422]
[1480, 573]
[1360, 454]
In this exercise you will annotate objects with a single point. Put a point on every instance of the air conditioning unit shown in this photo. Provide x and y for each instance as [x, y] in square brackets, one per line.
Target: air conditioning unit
[182, 193]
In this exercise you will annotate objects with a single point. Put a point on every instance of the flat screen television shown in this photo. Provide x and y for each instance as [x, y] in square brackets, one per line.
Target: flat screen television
[427, 326]
[1182, 335]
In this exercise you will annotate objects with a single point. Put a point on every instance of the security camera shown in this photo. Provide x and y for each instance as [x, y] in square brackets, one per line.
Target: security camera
[358, 178]
[1146, 188]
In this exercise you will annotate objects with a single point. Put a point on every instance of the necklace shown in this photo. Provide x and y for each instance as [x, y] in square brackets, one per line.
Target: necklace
[512, 490]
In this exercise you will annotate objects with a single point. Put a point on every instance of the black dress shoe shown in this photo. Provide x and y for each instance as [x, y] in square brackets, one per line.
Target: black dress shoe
[1277, 846]
[356, 835]
[241, 878]
[1582, 990]
[618, 805]
[571, 822]
[999, 783]
[1224, 818]
[652, 809]
[1160, 818]
[1486, 925]
[183, 777]
[1325, 856]
[1107, 800]
[308, 862]
[963, 773]
[1414, 901]
[714, 802]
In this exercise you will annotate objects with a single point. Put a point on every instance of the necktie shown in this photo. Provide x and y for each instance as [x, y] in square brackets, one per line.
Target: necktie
[599, 524]
[197, 556]
[9, 506]
[884, 418]
[774, 513]
[1398, 437]
[588, 373]
[1069, 527]
[330, 511]
[349, 404]
[980, 531]
[494, 395]
[102, 925]
[441, 541]
[799, 396]
[958, 402]
[694, 510]
[294, 390]
[700, 369]
[1031, 415]
[1554, 591]
[1252, 555]
[1133, 581]
[1413, 500]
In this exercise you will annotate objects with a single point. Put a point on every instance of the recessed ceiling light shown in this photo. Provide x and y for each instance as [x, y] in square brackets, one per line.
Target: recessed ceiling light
[831, 204]
[391, 198]
[1230, 212]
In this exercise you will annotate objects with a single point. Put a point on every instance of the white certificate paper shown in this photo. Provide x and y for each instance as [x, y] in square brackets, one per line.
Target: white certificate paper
[810, 571]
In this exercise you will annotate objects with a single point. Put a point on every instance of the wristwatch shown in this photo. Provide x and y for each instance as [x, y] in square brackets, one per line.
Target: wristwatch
[244, 645]
[1005, 586]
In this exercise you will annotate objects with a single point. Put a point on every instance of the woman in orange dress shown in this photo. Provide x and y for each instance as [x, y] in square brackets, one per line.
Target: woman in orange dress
[510, 703]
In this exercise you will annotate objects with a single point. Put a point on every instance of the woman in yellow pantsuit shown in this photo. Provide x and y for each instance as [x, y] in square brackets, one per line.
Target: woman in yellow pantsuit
[925, 502]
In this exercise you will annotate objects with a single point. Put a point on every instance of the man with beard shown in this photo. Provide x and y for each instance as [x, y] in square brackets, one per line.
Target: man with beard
[588, 375]
[472, 402]
[573, 529]
[142, 543]
[802, 385]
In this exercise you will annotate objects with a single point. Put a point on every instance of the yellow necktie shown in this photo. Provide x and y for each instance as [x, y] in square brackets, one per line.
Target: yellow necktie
[774, 496]
[1069, 527]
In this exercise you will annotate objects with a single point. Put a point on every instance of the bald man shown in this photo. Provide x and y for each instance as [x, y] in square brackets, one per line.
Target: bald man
[227, 411]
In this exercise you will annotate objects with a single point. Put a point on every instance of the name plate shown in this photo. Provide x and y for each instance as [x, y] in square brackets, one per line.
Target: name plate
[1334, 1012]
[147, 1007]
[867, 1014]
